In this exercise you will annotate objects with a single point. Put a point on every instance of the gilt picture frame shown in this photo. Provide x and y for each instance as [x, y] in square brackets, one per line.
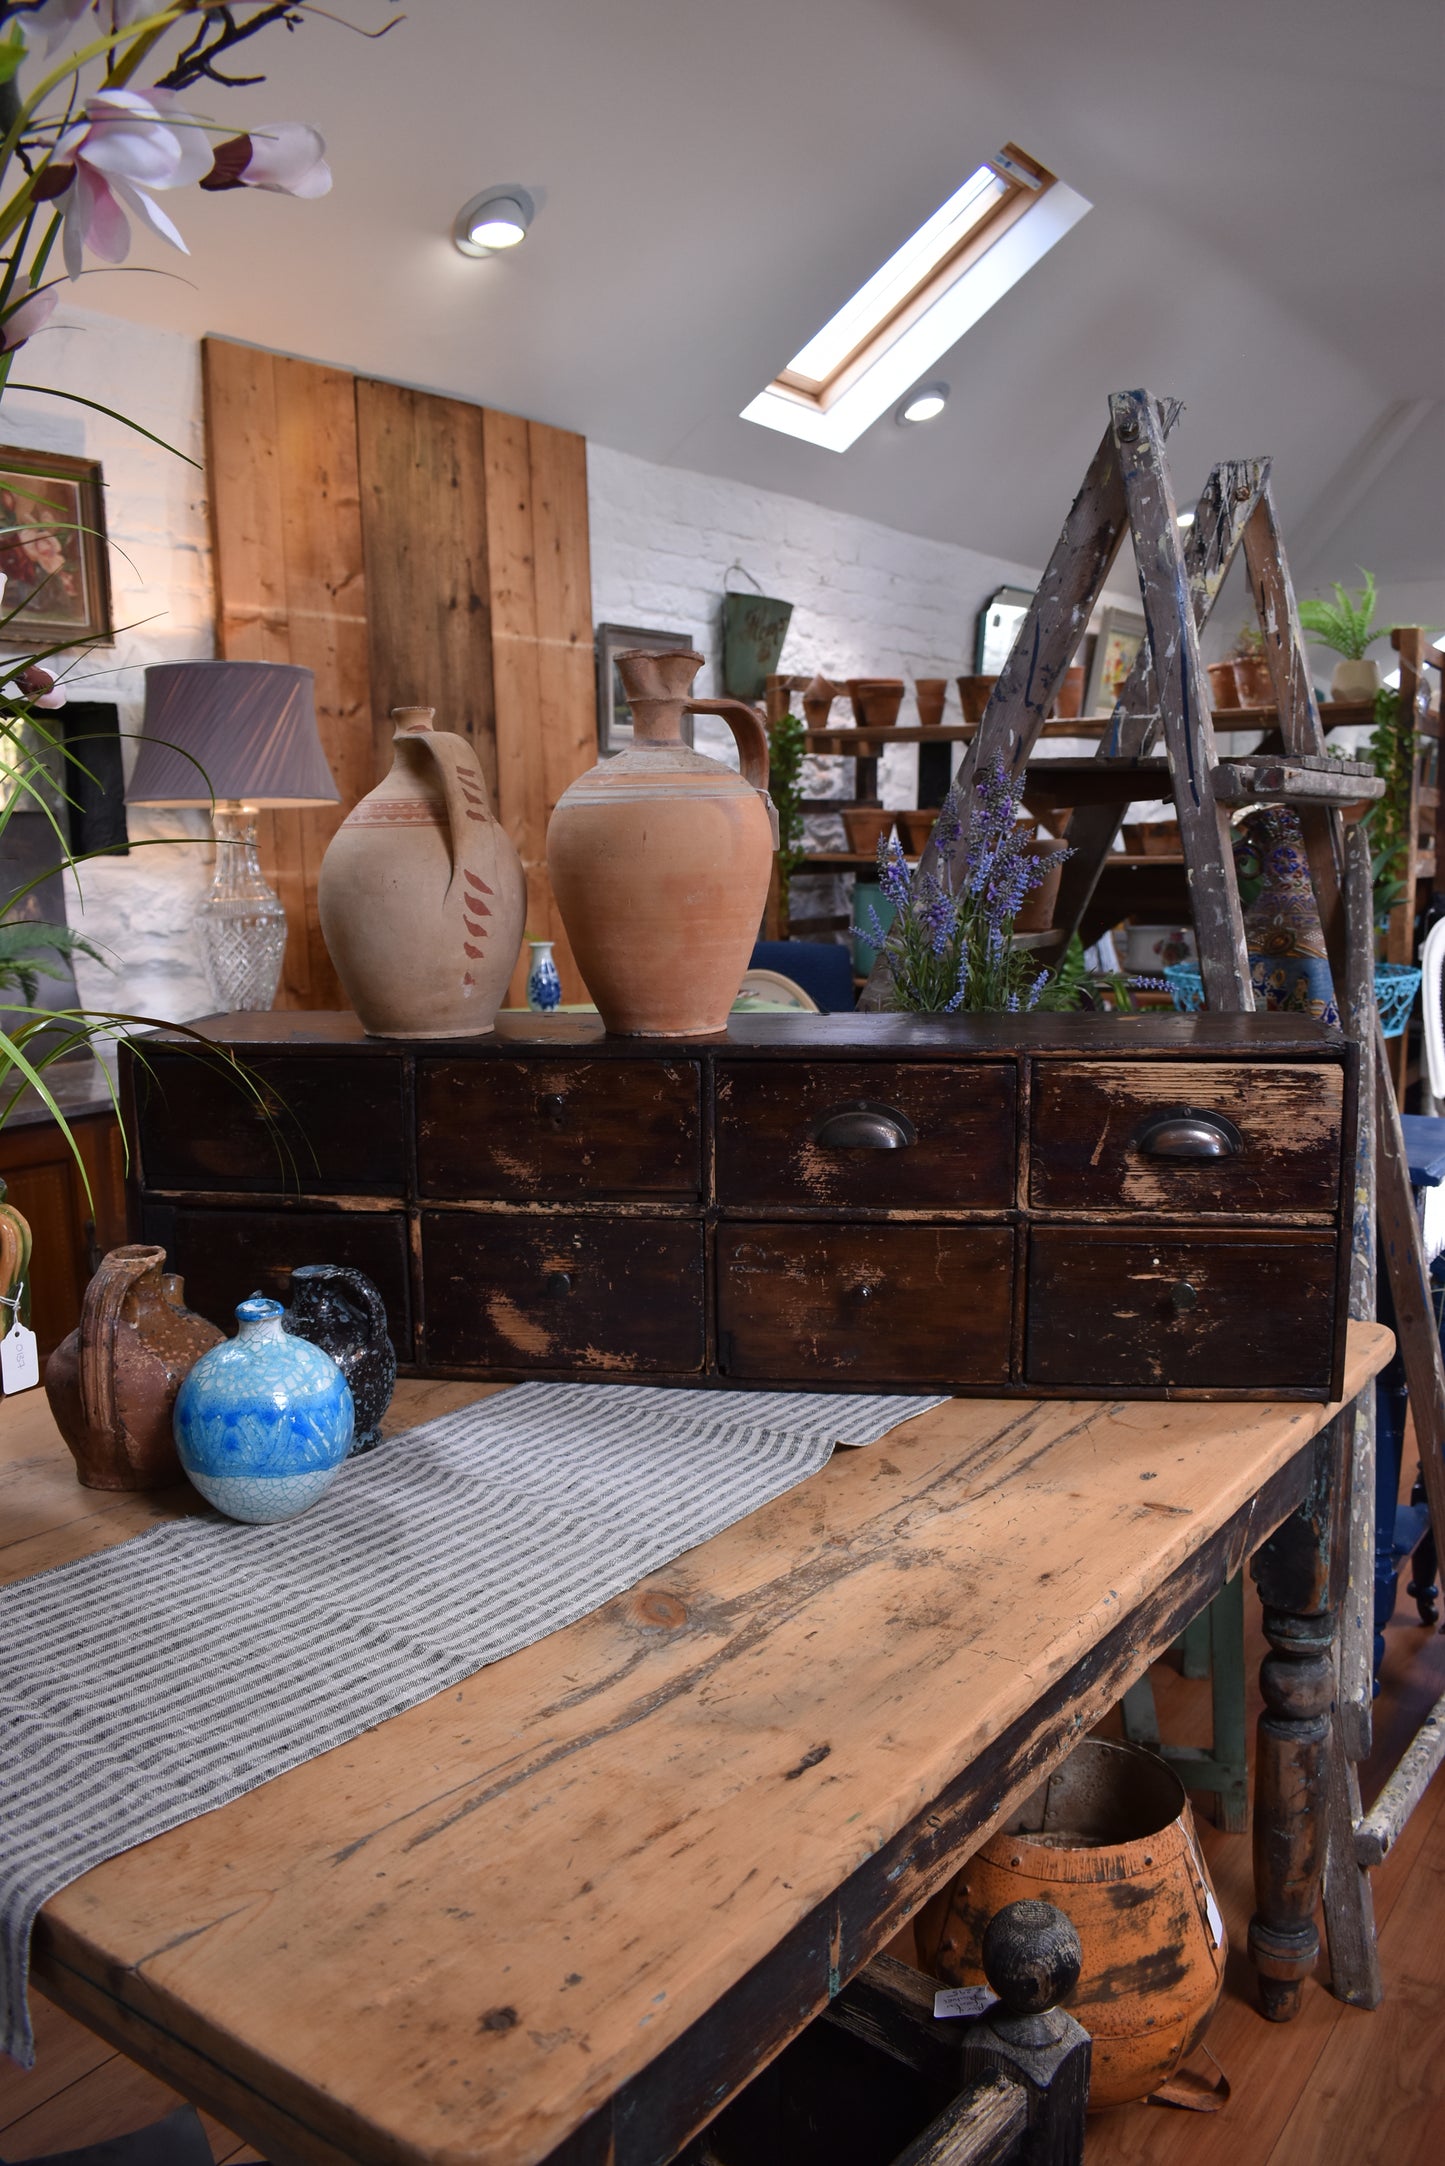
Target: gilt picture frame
[53, 551]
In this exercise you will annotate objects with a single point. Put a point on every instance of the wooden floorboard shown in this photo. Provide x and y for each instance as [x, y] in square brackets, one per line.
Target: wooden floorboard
[1339, 2085]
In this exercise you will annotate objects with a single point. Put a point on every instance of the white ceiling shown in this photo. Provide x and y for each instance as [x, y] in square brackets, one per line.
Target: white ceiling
[1268, 179]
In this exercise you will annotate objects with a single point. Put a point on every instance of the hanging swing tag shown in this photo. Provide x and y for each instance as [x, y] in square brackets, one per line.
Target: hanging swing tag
[19, 1358]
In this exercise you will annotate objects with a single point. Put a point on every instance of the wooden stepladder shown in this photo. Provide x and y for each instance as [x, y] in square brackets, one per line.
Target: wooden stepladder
[1314, 1729]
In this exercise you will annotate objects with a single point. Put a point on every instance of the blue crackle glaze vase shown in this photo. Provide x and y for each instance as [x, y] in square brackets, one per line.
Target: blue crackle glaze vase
[263, 1422]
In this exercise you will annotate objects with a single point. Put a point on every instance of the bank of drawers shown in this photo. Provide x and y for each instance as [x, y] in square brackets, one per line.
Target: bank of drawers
[989, 1224]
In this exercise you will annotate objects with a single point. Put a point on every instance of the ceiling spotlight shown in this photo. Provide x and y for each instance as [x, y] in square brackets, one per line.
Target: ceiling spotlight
[498, 218]
[924, 403]
[1185, 518]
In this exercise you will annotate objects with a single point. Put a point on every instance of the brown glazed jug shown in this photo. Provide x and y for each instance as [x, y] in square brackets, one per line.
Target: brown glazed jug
[112, 1384]
[422, 897]
[660, 859]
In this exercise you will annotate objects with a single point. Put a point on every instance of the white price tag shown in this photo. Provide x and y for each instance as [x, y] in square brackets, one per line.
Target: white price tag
[19, 1358]
[964, 2001]
[1216, 1923]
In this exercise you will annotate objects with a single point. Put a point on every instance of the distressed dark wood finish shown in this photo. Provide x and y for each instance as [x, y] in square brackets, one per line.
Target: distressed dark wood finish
[881, 1304]
[1184, 711]
[769, 1153]
[224, 1255]
[1088, 1121]
[559, 1129]
[1298, 1575]
[612, 1297]
[551, 1120]
[1110, 1309]
[641, 1804]
[307, 1125]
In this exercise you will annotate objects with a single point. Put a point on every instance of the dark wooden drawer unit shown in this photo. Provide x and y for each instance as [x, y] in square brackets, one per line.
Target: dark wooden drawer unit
[559, 1130]
[888, 1304]
[1194, 1137]
[617, 1297]
[1065, 1206]
[865, 1135]
[1179, 1311]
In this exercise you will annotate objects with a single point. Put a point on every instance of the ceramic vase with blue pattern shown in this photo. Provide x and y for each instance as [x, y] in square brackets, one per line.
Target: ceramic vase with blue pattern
[264, 1421]
[544, 987]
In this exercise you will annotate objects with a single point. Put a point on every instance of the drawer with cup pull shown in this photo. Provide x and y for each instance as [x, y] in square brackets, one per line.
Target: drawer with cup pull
[865, 1135]
[606, 1297]
[1187, 1136]
[1115, 1310]
[558, 1130]
[904, 1305]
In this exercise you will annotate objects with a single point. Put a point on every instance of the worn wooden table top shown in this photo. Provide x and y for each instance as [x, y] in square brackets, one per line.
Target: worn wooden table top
[481, 1931]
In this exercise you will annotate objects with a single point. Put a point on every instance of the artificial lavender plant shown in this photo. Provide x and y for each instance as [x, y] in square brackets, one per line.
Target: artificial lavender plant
[951, 946]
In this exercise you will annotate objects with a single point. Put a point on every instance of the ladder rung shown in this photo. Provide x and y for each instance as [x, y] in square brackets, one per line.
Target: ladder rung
[1295, 782]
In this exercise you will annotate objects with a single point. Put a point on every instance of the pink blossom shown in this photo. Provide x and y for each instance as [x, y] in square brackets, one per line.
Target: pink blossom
[27, 317]
[285, 156]
[101, 168]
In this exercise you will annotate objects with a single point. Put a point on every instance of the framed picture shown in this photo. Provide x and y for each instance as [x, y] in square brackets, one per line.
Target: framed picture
[52, 549]
[1121, 635]
[614, 716]
[998, 628]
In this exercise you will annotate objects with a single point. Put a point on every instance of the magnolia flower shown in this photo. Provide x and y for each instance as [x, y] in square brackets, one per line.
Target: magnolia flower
[100, 169]
[285, 156]
[57, 18]
[37, 686]
[27, 317]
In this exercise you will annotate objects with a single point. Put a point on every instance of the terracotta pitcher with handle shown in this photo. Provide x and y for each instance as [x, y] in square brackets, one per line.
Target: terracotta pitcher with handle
[660, 858]
[112, 1384]
[422, 897]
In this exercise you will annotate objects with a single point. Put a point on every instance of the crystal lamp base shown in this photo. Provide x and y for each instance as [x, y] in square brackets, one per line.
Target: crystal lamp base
[241, 924]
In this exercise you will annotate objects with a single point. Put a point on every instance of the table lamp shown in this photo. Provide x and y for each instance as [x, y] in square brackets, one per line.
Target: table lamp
[235, 738]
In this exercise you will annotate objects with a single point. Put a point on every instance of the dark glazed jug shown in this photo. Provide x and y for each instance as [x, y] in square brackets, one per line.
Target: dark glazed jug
[340, 1311]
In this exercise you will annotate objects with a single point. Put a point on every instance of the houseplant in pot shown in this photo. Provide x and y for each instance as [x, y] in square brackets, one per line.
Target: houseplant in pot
[1347, 627]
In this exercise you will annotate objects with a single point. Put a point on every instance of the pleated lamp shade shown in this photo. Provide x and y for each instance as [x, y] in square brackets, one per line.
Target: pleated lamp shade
[238, 732]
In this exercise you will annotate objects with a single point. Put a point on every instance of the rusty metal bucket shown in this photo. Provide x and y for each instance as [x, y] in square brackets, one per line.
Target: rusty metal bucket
[1110, 1841]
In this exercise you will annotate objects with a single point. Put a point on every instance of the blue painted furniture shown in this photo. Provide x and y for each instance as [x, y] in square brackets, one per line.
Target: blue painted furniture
[1404, 1530]
[824, 970]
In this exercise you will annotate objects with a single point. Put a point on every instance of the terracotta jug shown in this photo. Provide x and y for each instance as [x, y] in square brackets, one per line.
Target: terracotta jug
[1110, 1841]
[112, 1384]
[14, 1264]
[660, 857]
[422, 896]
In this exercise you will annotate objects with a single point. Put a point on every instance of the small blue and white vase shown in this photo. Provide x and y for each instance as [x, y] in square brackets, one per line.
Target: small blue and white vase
[544, 987]
[264, 1421]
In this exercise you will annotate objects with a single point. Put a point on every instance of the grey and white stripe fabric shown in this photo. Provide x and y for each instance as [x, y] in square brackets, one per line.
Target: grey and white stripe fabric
[179, 1670]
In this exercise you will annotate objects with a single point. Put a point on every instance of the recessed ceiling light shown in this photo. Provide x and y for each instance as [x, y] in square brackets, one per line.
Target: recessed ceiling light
[1185, 518]
[497, 218]
[923, 404]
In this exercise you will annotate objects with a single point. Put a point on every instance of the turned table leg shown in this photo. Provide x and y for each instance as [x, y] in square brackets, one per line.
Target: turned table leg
[1298, 1572]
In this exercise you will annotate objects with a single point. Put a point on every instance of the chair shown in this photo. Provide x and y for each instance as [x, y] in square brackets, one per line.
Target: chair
[178, 2140]
[823, 970]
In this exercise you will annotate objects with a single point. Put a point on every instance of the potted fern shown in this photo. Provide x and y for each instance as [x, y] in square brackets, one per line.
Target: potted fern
[1347, 626]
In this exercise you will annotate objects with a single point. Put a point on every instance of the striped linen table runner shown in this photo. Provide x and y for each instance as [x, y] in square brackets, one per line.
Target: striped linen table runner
[179, 1670]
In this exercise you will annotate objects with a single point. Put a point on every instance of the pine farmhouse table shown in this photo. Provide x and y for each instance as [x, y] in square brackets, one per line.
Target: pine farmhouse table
[562, 1912]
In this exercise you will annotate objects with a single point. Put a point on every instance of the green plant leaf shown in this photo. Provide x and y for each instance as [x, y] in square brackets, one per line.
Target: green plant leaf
[12, 52]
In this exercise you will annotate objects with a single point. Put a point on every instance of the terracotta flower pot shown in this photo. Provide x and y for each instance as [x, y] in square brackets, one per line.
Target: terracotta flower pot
[1110, 1840]
[818, 698]
[1256, 687]
[1069, 702]
[112, 1384]
[915, 827]
[660, 860]
[865, 826]
[1037, 913]
[930, 692]
[421, 896]
[1223, 689]
[973, 694]
[876, 701]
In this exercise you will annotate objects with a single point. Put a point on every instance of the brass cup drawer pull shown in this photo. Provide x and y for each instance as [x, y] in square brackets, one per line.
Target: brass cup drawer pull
[864, 1127]
[1184, 1134]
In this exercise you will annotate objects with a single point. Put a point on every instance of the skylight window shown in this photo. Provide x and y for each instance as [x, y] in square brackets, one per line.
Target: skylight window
[945, 276]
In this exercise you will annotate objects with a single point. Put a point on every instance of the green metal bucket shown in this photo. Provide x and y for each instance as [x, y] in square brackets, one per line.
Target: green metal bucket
[754, 628]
